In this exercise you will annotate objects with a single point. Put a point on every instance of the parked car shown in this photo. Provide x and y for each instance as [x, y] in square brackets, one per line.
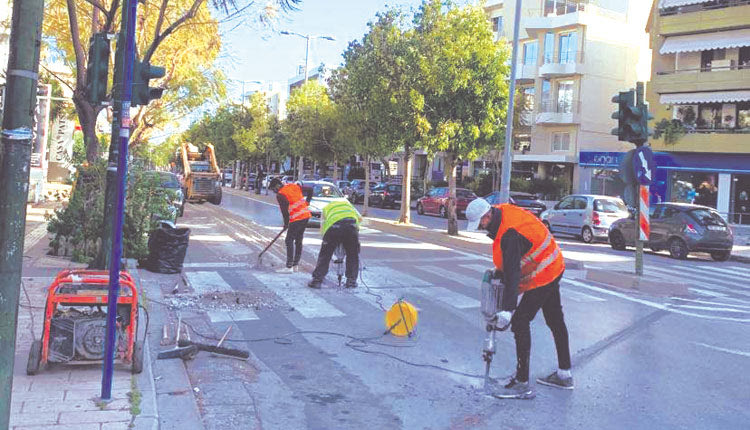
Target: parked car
[329, 180]
[287, 179]
[680, 228]
[386, 195]
[525, 200]
[310, 177]
[268, 178]
[585, 216]
[356, 191]
[227, 176]
[323, 193]
[436, 202]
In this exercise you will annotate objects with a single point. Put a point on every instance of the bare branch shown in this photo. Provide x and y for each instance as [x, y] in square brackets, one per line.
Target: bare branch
[110, 14]
[58, 78]
[97, 5]
[172, 27]
[77, 47]
[160, 20]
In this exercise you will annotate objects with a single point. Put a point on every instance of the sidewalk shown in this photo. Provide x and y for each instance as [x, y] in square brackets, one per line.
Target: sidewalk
[64, 397]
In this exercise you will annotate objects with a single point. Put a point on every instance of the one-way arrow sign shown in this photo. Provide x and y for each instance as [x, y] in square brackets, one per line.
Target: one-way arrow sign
[643, 165]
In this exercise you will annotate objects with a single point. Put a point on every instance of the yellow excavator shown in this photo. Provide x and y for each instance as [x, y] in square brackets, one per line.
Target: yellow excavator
[202, 180]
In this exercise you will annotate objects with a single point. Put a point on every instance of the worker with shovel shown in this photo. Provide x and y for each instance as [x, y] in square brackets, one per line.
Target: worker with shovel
[340, 225]
[531, 264]
[296, 214]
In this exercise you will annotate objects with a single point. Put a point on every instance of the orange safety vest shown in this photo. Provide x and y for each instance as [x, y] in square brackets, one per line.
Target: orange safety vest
[544, 262]
[297, 204]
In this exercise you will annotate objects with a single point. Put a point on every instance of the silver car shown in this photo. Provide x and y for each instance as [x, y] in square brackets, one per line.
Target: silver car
[585, 216]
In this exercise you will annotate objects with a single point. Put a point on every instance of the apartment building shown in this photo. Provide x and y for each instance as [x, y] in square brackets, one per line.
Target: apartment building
[573, 56]
[700, 84]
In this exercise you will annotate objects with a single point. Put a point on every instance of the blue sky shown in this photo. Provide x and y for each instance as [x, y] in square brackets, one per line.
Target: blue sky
[249, 53]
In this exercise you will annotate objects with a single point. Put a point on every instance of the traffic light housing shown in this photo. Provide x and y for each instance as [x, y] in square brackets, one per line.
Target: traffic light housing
[632, 118]
[142, 73]
[625, 103]
[97, 68]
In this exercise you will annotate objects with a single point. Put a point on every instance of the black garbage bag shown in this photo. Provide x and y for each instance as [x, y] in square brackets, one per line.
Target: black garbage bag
[167, 246]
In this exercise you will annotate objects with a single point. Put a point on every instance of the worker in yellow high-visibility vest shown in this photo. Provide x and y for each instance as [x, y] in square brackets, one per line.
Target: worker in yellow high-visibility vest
[340, 225]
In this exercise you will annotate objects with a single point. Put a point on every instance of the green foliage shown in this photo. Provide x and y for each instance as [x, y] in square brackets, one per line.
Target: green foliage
[671, 130]
[312, 124]
[77, 227]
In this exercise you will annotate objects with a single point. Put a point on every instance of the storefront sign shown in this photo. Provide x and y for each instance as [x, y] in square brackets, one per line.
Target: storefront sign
[600, 159]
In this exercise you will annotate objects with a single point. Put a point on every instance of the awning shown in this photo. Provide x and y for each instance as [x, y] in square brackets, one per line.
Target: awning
[707, 97]
[706, 41]
[674, 3]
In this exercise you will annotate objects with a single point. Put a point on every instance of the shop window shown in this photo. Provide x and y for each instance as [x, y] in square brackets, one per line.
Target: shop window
[740, 204]
[743, 115]
[561, 141]
[694, 187]
[530, 52]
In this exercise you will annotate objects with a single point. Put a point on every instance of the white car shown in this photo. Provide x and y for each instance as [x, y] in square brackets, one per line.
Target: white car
[323, 193]
[585, 216]
[267, 179]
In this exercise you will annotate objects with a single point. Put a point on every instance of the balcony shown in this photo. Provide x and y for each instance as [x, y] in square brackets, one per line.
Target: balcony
[716, 78]
[730, 141]
[565, 64]
[526, 73]
[704, 17]
[536, 20]
[559, 112]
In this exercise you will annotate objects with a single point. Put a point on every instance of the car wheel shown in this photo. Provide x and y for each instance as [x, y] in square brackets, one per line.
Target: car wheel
[617, 241]
[721, 255]
[443, 212]
[546, 224]
[587, 236]
[678, 248]
[420, 209]
[182, 209]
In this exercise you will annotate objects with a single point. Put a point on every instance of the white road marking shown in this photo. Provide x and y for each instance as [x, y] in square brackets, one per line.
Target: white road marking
[388, 297]
[293, 290]
[218, 264]
[385, 277]
[449, 297]
[211, 238]
[480, 268]
[710, 308]
[207, 282]
[451, 276]
[701, 272]
[578, 296]
[718, 348]
[710, 303]
[219, 316]
[707, 292]
[243, 315]
[653, 304]
[703, 281]
[34, 236]
[402, 245]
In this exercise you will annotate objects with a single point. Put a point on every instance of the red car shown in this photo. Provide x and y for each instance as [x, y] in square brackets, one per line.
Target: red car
[436, 202]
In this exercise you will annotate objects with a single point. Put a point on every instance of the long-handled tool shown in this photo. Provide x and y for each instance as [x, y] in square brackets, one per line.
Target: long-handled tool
[260, 256]
[491, 295]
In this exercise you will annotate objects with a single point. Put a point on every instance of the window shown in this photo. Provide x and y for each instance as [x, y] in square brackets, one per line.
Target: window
[609, 206]
[654, 212]
[530, 52]
[549, 47]
[497, 24]
[669, 212]
[744, 60]
[549, 7]
[580, 203]
[709, 116]
[561, 141]
[743, 115]
[565, 96]
[528, 98]
[546, 86]
[708, 57]
[566, 203]
[568, 48]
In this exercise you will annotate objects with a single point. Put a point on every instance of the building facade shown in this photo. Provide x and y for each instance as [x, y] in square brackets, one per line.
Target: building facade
[573, 56]
[700, 86]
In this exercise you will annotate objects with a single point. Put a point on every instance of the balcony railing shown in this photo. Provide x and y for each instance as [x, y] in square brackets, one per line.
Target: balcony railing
[560, 106]
[720, 4]
[564, 57]
[742, 66]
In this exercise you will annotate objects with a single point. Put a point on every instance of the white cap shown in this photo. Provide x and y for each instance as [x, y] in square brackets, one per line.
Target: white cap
[474, 213]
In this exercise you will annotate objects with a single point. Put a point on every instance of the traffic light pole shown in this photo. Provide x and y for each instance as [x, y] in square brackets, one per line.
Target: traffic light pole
[120, 138]
[508, 149]
[15, 154]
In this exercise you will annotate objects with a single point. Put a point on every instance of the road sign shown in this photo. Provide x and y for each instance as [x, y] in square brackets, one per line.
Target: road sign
[644, 165]
[643, 222]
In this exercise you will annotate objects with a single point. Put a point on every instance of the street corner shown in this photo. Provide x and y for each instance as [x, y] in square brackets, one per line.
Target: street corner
[643, 284]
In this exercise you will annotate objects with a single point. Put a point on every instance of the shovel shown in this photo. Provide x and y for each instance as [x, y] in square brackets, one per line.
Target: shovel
[260, 256]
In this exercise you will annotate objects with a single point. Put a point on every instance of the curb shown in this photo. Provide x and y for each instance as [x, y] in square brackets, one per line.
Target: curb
[740, 258]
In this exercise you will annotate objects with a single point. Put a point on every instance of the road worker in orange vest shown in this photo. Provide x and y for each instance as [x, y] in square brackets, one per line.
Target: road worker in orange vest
[530, 263]
[294, 210]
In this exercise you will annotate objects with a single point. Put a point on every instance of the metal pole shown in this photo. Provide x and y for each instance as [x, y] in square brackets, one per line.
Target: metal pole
[307, 54]
[507, 150]
[637, 194]
[15, 160]
[127, 37]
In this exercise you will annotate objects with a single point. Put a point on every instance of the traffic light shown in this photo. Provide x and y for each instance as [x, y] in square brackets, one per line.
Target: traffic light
[97, 68]
[632, 118]
[142, 73]
[625, 102]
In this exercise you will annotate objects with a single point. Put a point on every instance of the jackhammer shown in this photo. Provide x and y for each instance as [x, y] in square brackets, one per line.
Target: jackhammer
[492, 293]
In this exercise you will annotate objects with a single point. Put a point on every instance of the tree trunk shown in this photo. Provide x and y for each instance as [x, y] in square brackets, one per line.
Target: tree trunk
[450, 166]
[495, 171]
[335, 169]
[405, 217]
[366, 202]
[87, 117]
[427, 173]
[300, 166]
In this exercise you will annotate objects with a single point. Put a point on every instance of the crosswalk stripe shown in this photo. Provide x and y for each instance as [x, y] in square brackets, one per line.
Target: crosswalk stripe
[385, 277]
[217, 264]
[707, 292]
[477, 267]
[692, 275]
[449, 297]
[291, 288]
[207, 282]
[388, 297]
[468, 281]
[701, 272]
[578, 296]
[701, 281]
[735, 272]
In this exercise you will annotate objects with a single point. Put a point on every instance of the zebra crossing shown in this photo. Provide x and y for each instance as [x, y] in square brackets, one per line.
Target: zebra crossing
[716, 292]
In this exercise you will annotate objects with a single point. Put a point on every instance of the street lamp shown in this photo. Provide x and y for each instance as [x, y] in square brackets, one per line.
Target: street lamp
[307, 38]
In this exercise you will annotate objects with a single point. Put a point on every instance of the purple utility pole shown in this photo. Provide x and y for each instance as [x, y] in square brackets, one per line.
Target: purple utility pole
[125, 57]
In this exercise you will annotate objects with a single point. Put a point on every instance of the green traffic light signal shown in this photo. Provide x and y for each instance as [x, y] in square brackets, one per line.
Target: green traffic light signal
[97, 68]
[142, 73]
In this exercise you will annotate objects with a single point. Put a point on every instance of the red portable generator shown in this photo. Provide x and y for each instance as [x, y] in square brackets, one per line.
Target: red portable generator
[75, 321]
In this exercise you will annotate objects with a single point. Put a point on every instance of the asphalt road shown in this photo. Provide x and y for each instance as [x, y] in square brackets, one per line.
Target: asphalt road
[639, 361]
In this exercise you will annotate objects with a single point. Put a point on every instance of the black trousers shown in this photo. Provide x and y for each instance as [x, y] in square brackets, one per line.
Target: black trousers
[294, 235]
[546, 298]
[345, 232]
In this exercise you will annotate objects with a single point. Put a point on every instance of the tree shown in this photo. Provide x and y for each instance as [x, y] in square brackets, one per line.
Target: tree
[465, 75]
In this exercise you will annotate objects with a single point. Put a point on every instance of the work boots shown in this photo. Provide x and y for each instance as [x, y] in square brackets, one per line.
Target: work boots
[315, 283]
[351, 283]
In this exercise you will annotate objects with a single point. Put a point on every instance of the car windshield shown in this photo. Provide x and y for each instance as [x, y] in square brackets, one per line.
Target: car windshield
[200, 166]
[464, 194]
[706, 217]
[326, 191]
[168, 180]
[609, 206]
[520, 196]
